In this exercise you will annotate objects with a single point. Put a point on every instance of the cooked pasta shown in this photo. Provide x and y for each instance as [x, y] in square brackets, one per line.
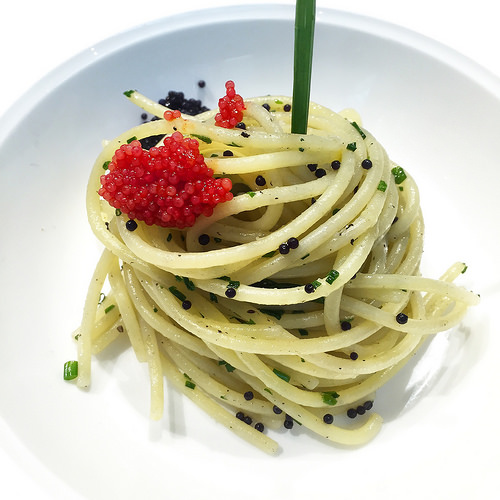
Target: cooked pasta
[295, 300]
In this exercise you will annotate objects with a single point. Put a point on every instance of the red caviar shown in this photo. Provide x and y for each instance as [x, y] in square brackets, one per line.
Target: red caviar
[169, 185]
[231, 108]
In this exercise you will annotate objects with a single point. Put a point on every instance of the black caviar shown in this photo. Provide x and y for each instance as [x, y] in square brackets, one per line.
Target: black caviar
[248, 395]
[131, 225]
[320, 172]
[284, 248]
[309, 288]
[260, 181]
[335, 164]
[366, 164]
[328, 418]
[230, 293]
[203, 239]
[293, 243]
[186, 304]
[345, 325]
[402, 318]
[259, 426]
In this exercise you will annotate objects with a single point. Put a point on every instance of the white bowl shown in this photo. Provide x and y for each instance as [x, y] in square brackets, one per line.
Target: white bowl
[436, 113]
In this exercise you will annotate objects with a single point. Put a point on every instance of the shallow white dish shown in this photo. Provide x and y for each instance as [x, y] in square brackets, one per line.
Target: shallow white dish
[436, 113]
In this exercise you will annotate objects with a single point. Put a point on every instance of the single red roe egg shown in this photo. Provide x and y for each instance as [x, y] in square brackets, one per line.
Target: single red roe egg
[231, 108]
[169, 185]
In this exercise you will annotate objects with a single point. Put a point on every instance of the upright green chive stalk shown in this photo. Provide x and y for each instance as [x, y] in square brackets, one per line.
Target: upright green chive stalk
[305, 16]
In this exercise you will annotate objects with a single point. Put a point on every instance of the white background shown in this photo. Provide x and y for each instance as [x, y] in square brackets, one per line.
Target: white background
[36, 37]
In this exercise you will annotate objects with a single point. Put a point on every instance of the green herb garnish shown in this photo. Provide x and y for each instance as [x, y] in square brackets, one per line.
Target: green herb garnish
[399, 174]
[329, 398]
[281, 375]
[203, 138]
[305, 16]
[332, 276]
[70, 370]
[129, 93]
[382, 186]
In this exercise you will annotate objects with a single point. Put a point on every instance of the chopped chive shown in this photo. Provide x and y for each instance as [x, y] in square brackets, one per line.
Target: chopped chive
[129, 93]
[316, 284]
[233, 284]
[203, 138]
[357, 127]
[281, 375]
[275, 313]
[174, 291]
[399, 174]
[109, 308]
[213, 297]
[105, 165]
[70, 370]
[332, 276]
[189, 284]
[268, 390]
[189, 384]
[329, 398]
[464, 269]
[130, 139]
[382, 186]
[269, 254]
[305, 16]
[251, 194]
[351, 146]
[228, 367]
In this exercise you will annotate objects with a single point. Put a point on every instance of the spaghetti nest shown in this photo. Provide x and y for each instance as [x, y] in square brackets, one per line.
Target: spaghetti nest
[298, 298]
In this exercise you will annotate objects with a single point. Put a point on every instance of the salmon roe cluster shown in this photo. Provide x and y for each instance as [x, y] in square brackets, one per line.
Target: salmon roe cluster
[169, 185]
[231, 108]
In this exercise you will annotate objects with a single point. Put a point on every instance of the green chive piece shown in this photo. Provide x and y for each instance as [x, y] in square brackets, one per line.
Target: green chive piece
[358, 128]
[228, 367]
[105, 165]
[174, 291]
[382, 186]
[189, 284]
[130, 139]
[464, 269]
[329, 398]
[305, 17]
[109, 308]
[213, 297]
[70, 370]
[351, 146]
[332, 276]
[275, 313]
[281, 375]
[269, 254]
[203, 138]
[129, 93]
[189, 384]
[399, 174]
[251, 194]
